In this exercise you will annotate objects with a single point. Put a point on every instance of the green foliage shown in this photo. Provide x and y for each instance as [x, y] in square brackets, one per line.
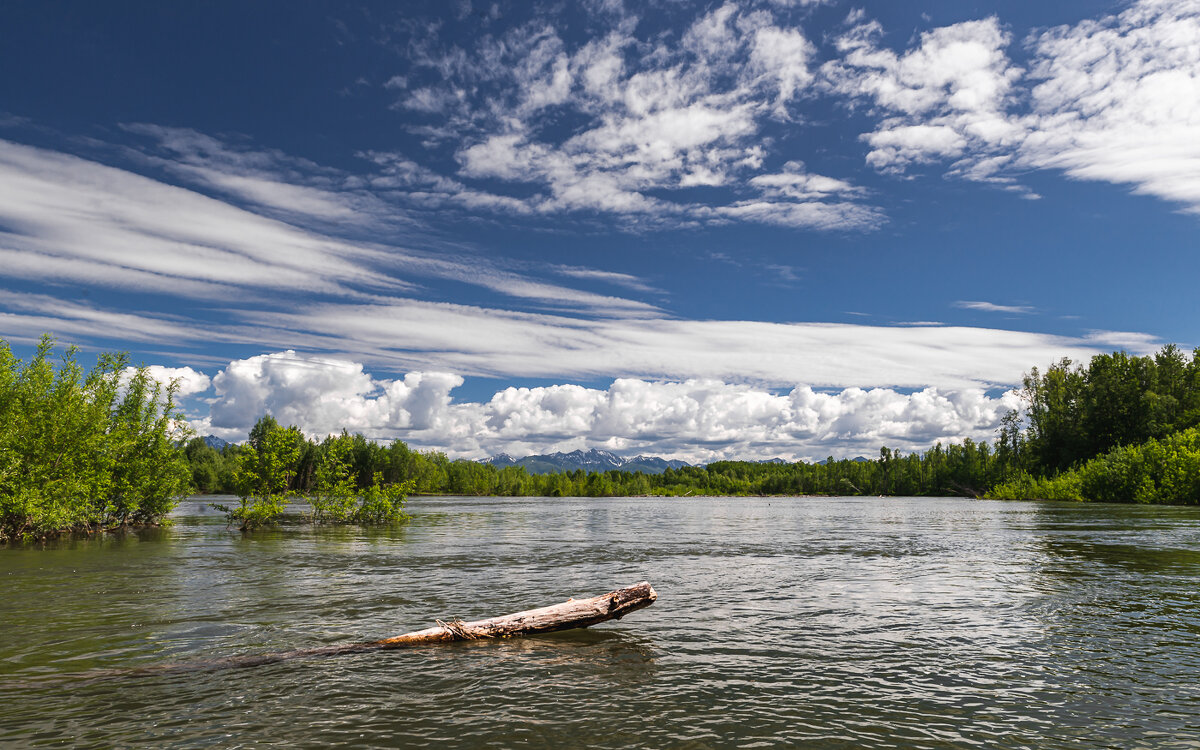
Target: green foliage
[210, 472]
[335, 496]
[264, 474]
[85, 451]
[1072, 413]
[1165, 471]
[279, 463]
[382, 503]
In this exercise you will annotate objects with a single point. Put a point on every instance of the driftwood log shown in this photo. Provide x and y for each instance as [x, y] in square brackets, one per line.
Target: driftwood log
[573, 613]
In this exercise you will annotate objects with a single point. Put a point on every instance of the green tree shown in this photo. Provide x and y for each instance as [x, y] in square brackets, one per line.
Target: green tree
[264, 474]
[335, 491]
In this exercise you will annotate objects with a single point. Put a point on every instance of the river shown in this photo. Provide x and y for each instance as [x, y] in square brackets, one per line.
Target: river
[805, 622]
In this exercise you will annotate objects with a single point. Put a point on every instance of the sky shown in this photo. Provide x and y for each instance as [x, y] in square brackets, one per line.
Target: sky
[753, 229]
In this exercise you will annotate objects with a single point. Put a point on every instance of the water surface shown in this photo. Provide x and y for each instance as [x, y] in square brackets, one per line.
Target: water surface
[819, 622]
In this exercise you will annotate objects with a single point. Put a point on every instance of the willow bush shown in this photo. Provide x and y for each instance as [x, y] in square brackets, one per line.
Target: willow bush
[83, 451]
[266, 479]
[1165, 471]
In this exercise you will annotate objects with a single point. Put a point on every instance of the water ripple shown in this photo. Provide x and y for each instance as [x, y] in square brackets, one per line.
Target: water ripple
[851, 622]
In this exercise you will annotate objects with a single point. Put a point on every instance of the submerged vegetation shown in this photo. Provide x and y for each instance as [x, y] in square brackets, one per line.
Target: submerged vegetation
[85, 451]
[265, 475]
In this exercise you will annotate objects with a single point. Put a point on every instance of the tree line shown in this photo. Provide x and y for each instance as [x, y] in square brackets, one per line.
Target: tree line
[966, 469]
[106, 448]
[1071, 416]
[1073, 412]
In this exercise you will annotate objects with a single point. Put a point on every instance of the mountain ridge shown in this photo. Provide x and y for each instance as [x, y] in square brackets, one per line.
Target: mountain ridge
[590, 460]
[600, 460]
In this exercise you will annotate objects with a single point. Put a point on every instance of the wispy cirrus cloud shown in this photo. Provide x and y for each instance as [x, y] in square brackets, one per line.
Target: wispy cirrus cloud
[1114, 99]
[993, 307]
[70, 219]
[408, 334]
[479, 341]
[1117, 99]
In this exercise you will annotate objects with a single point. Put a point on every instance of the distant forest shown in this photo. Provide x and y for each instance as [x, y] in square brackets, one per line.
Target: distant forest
[1081, 428]
[109, 448]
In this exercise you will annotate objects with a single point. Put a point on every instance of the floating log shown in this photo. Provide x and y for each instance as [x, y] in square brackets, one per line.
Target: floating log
[573, 613]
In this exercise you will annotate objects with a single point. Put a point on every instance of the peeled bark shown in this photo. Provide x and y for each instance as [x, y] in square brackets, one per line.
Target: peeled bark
[573, 613]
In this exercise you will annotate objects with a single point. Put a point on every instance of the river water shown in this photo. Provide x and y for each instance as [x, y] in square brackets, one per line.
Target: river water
[805, 622]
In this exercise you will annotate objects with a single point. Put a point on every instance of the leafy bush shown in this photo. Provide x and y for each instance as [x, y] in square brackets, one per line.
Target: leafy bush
[264, 475]
[81, 452]
[267, 473]
[1165, 471]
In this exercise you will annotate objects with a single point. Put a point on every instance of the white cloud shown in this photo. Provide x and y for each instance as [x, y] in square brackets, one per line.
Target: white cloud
[1118, 100]
[325, 395]
[899, 146]
[28, 316]
[1115, 99]
[992, 307]
[487, 341]
[254, 175]
[190, 381]
[71, 219]
[947, 95]
[815, 214]
[795, 182]
[610, 277]
[655, 116]
[410, 335]
[783, 54]
[66, 217]
[695, 419]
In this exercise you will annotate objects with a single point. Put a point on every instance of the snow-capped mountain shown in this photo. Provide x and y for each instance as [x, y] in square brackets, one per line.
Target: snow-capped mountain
[591, 460]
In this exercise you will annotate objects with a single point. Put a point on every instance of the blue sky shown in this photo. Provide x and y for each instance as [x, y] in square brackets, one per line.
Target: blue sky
[742, 229]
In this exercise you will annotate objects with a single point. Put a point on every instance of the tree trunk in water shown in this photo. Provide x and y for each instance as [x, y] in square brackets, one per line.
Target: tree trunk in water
[573, 613]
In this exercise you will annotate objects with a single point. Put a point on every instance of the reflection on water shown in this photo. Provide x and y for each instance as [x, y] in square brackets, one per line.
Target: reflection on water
[813, 622]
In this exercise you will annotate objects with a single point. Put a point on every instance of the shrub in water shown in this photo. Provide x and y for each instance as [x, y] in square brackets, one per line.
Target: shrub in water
[85, 451]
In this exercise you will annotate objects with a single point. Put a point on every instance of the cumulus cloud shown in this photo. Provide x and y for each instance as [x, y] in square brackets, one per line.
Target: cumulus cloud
[325, 395]
[188, 380]
[696, 419]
